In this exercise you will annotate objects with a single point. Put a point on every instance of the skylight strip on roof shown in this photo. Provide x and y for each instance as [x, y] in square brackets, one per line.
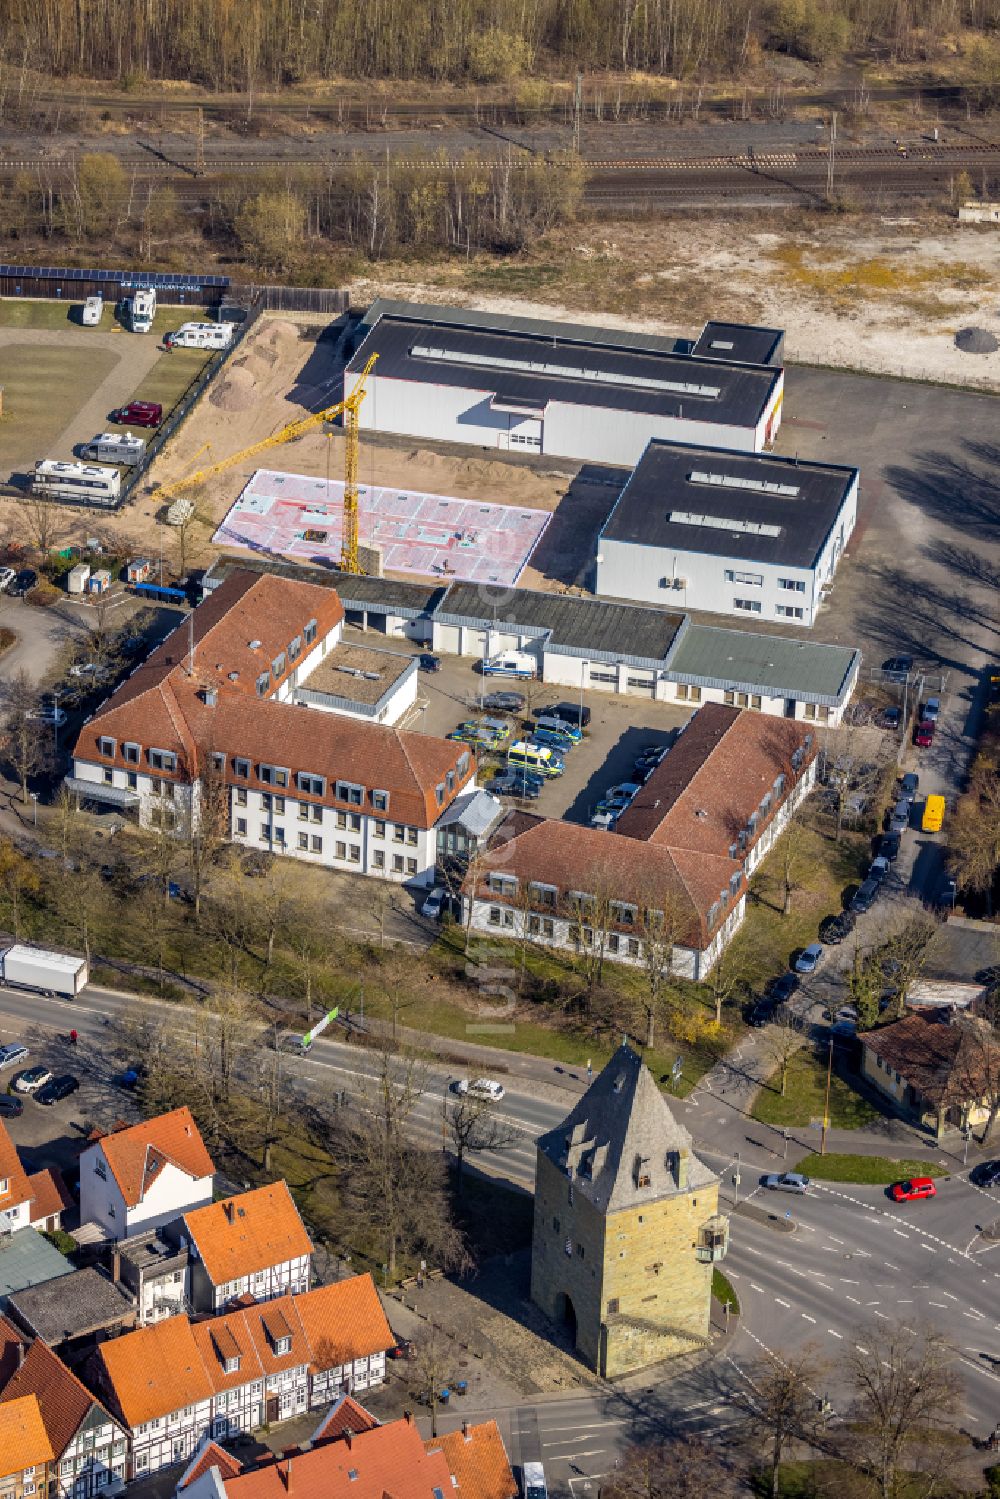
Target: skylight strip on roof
[720, 523]
[734, 481]
[566, 372]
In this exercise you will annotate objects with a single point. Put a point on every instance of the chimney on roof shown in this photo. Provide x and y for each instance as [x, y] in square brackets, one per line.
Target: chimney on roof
[228, 1209]
[286, 1474]
[465, 1431]
[349, 1438]
[408, 1417]
[116, 1265]
[20, 1353]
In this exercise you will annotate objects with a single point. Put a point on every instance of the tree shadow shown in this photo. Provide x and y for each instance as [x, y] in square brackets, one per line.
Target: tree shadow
[963, 493]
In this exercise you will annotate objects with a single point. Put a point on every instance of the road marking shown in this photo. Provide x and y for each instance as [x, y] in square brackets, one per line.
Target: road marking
[807, 1316]
[755, 1287]
[782, 1303]
[845, 1282]
[899, 1232]
[592, 1425]
[835, 1239]
[861, 1350]
[853, 1299]
[929, 1247]
[882, 1315]
[835, 1334]
[940, 1304]
[949, 1295]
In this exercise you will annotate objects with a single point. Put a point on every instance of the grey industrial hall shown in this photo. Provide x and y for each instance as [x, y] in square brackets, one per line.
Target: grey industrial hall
[746, 534]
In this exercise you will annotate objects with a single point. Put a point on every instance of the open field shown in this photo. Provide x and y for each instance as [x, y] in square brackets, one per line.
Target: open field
[33, 411]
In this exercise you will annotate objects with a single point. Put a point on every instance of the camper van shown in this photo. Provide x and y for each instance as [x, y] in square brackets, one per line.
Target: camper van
[142, 310]
[200, 336]
[110, 448]
[76, 481]
[93, 311]
[511, 664]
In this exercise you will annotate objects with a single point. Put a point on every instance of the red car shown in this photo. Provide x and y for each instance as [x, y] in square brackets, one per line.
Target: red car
[924, 737]
[138, 414]
[909, 1191]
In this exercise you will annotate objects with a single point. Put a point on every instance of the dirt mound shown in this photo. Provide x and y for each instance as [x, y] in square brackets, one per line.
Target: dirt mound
[236, 391]
[976, 341]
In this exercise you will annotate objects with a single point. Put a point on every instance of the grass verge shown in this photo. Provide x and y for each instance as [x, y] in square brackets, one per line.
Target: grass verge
[866, 1170]
[722, 1290]
[805, 1088]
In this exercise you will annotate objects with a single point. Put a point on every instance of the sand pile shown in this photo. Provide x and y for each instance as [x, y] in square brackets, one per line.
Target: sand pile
[236, 391]
[976, 341]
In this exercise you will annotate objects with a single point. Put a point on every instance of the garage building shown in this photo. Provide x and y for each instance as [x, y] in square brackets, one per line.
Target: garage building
[735, 533]
[538, 393]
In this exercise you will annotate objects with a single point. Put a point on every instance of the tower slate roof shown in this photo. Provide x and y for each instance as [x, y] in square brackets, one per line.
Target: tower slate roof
[621, 1146]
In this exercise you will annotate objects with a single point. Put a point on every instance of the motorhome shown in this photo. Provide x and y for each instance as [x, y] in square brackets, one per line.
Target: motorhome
[142, 310]
[200, 336]
[93, 311]
[76, 481]
[111, 448]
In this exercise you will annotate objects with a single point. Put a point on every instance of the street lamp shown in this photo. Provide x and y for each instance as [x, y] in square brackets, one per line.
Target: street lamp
[34, 808]
[584, 668]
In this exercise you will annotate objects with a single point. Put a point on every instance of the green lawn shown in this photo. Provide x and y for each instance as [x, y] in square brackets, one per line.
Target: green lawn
[63, 316]
[804, 1094]
[171, 375]
[866, 1170]
[37, 378]
[722, 1290]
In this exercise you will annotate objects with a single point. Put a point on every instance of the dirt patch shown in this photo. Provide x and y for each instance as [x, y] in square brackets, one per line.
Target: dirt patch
[236, 391]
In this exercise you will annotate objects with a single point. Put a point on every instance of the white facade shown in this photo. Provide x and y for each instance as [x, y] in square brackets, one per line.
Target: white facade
[496, 917]
[748, 590]
[169, 1438]
[16, 1215]
[95, 1461]
[291, 1277]
[588, 433]
[171, 1193]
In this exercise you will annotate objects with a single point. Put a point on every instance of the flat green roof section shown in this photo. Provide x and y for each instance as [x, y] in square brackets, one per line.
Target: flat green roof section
[769, 664]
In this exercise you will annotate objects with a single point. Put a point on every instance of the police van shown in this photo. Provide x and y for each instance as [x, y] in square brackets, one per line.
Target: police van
[537, 757]
[200, 336]
[110, 448]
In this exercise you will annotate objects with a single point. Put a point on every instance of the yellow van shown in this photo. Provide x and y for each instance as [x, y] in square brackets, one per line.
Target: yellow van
[933, 817]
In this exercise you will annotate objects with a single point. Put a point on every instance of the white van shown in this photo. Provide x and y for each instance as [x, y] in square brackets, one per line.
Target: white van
[93, 311]
[536, 757]
[200, 336]
[110, 448]
[142, 310]
[512, 664]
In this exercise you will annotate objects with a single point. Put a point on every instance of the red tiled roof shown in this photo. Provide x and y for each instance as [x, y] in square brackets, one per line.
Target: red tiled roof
[155, 1370]
[384, 1461]
[136, 1156]
[161, 706]
[62, 1399]
[714, 778]
[210, 1455]
[271, 1321]
[575, 858]
[345, 1415]
[11, 1170]
[937, 1056]
[10, 1341]
[477, 1460]
[24, 1442]
[222, 1338]
[343, 1322]
[50, 1195]
[248, 1232]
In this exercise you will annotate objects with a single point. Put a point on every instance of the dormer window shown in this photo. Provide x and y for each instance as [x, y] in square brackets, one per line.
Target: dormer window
[278, 665]
[380, 801]
[439, 793]
[310, 632]
[273, 775]
[350, 792]
[264, 684]
[241, 767]
[295, 648]
[232, 1365]
[282, 1346]
[310, 784]
[106, 747]
[162, 759]
[463, 763]
[131, 753]
[218, 762]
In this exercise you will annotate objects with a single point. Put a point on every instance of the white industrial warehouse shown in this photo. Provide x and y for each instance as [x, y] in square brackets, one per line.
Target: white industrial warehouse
[733, 533]
[539, 388]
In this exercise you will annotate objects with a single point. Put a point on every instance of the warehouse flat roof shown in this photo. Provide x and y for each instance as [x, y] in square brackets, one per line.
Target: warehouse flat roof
[753, 506]
[530, 371]
[503, 322]
[771, 664]
[743, 342]
[581, 625]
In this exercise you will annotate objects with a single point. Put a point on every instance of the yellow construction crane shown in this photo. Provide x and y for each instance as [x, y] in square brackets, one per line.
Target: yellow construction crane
[350, 409]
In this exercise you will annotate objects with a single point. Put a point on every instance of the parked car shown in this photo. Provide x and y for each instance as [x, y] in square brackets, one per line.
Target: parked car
[7, 577]
[834, 929]
[910, 1191]
[553, 739]
[87, 669]
[897, 668]
[570, 731]
[434, 904]
[761, 1013]
[865, 897]
[10, 1105]
[786, 1181]
[909, 785]
[429, 663]
[782, 988]
[932, 710]
[515, 783]
[986, 1174]
[890, 718]
[924, 736]
[652, 756]
[138, 414]
[888, 847]
[574, 713]
[58, 1089]
[504, 702]
[54, 716]
[32, 1080]
[809, 957]
[480, 1087]
[24, 581]
[13, 1053]
[878, 869]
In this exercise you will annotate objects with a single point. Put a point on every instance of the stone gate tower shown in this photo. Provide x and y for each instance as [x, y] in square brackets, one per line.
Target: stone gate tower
[626, 1226]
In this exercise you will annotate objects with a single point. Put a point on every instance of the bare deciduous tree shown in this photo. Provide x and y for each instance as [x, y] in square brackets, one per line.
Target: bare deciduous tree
[781, 1405]
[27, 743]
[682, 1467]
[472, 1127]
[780, 1043]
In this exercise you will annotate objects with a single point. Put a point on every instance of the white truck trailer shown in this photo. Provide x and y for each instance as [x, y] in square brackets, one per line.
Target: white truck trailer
[43, 971]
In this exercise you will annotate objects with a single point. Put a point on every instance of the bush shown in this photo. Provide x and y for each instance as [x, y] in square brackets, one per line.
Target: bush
[496, 56]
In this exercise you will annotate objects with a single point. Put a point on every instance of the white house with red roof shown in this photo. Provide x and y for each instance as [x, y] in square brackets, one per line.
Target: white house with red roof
[142, 1177]
[211, 726]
